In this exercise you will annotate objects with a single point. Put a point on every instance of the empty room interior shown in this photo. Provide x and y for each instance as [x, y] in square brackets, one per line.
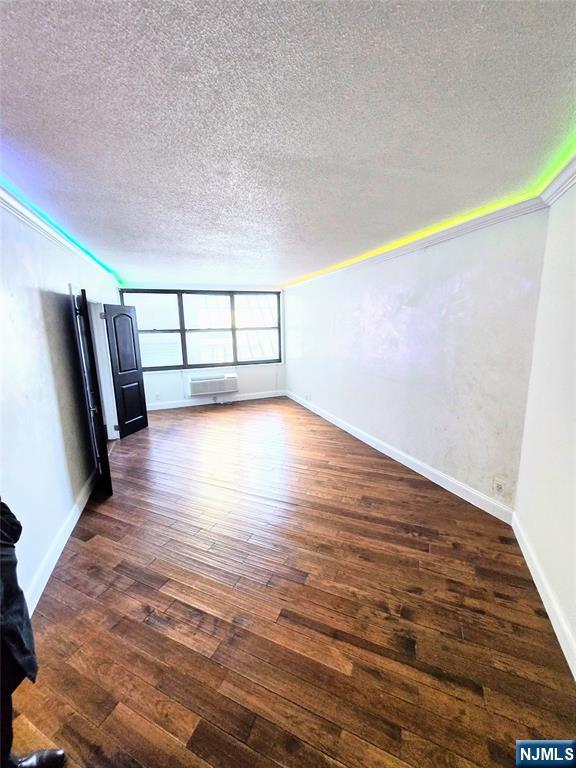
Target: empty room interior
[288, 383]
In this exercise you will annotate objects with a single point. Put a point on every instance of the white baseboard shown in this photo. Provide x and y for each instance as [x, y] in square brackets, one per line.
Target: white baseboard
[466, 492]
[167, 404]
[564, 632]
[560, 623]
[34, 591]
[190, 402]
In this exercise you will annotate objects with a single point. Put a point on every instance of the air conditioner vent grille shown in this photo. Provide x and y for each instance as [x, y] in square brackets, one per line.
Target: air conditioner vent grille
[214, 385]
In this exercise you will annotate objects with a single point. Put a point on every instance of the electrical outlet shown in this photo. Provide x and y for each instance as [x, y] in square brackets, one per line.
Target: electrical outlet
[499, 485]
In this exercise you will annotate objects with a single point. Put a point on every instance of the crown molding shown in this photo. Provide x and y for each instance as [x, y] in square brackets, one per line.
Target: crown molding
[487, 220]
[562, 183]
[11, 203]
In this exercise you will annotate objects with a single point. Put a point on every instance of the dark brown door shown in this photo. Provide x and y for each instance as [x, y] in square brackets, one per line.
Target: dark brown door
[96, 426]
[126, 368]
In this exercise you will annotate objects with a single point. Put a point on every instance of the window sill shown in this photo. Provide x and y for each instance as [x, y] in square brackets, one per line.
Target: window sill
[209, 368]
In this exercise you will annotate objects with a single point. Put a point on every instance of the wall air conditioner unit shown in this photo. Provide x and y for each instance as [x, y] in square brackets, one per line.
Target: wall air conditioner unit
[214, 385]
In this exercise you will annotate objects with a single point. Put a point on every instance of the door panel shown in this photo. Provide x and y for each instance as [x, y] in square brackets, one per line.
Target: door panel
[124, 335]
[97, 428]
[126, 368]
[131, 401]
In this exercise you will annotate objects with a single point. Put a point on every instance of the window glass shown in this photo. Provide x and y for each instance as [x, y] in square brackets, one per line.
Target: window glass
[205, 310]
[154, 310]
[210, 333]
[257, 345]
[160, 349]
[256, 310]
[205, 347]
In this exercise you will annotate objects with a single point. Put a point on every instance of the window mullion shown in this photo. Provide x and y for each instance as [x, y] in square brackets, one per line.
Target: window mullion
[182, 329]
[279, 323]
[234, 343]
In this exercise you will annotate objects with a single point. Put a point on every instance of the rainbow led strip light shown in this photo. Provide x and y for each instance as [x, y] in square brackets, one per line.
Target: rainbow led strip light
[561, 158]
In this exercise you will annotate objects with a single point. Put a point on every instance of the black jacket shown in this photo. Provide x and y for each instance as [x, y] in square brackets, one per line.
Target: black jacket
[10, 526]
[17, 640]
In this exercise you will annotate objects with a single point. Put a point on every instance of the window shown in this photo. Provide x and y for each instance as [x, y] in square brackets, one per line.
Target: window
[200, 329]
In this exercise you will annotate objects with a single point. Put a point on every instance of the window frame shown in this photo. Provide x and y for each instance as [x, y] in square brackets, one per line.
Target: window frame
[182, 330]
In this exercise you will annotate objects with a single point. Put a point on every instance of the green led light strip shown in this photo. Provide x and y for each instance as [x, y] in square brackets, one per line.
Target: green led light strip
[559, 160]
[51, 223]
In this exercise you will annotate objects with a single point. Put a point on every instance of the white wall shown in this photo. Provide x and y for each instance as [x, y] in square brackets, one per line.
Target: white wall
[546, 498]
[45, 465]
[171, 389]
[427, 355]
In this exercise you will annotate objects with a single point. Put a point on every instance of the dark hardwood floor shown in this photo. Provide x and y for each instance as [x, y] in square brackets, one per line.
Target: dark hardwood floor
[263, 589]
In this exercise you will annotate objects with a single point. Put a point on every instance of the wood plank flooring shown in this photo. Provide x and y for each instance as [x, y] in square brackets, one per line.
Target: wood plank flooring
[264, 590]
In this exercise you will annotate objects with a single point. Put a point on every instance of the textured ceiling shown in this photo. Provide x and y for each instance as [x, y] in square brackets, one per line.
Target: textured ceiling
[247, 143]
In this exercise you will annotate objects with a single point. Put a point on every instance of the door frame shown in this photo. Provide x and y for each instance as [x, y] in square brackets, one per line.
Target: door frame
[91, 390]
[104, 366]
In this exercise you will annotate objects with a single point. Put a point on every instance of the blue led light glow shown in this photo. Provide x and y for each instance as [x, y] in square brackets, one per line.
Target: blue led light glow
[44, 216]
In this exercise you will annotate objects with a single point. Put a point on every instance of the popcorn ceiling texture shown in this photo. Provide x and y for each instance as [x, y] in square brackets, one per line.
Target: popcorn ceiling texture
[247, 143]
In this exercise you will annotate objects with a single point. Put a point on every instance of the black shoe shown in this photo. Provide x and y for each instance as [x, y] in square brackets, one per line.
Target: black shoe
[46, 758]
